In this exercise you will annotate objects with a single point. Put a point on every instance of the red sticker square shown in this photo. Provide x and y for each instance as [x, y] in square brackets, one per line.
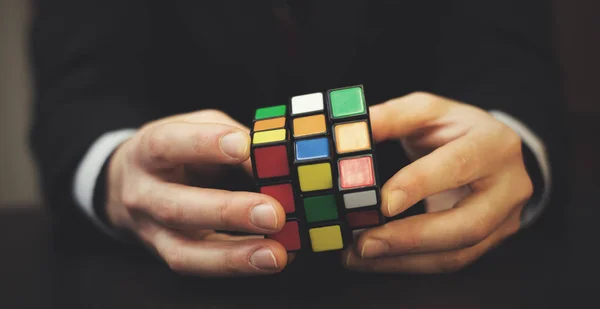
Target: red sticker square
[288, 237]
[362, 218]
[271, 161]
[356, 172]
[283, 193]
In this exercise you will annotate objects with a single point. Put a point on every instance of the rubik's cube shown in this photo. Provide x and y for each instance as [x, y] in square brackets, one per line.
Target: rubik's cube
[316, 156]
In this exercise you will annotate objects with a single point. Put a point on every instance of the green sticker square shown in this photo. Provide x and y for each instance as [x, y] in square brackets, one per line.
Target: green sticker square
[270, 112]
[347, 102]
[320, 208]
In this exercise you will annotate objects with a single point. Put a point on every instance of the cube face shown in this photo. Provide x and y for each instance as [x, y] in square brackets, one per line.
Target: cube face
[320, 208]
[363, 219]
[315, 177]
[270, 112]
[347, 102]
[270, 124]
[307, 103]
[316, 156]
[312, 149]
[309, 125]
[326, 238]
[360, 199]
[283, 193]
[352, 137]
[270, 136]
[356, 172]
[271, 161]
[288, 236]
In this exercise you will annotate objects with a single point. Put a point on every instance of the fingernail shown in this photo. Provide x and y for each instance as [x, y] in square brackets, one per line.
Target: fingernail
[373, 248]
[234, 145]
[395, 201]
[264, 259]
[264, 217]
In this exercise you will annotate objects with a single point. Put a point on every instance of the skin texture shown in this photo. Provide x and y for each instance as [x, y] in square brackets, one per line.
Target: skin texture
[150, 196]
[467, 166]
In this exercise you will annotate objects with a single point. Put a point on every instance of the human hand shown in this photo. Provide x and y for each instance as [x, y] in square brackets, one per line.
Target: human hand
[149, 194]
[457, 149]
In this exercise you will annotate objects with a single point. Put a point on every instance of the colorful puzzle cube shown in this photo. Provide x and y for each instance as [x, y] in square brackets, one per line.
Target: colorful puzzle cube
[316, 156]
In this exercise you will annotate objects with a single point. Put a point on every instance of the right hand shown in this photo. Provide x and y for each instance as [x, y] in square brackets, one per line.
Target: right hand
[149, 194]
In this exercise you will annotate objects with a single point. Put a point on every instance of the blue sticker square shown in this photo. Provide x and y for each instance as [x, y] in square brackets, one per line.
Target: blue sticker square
[310, 149]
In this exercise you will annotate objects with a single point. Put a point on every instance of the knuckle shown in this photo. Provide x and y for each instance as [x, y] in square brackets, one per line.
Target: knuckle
[425, 101]
[225, 218]
[213, 114]
[522, 188]
[201, 141]
[174, 257]
[527, 188]
[513, 227]
[134, 193]
[413, 241]
[509, 142]
[453, 262]
[131, 197]
[476, 234]
[229, 264]
[148, 126]
[513, 140]
[427, 107]
[169, 212]
[466, 163]
[413, 182]
[421, 96]
[157, 145]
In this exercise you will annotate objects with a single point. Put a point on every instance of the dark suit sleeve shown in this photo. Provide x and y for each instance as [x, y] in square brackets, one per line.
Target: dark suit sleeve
[88, 60]
[500, 55]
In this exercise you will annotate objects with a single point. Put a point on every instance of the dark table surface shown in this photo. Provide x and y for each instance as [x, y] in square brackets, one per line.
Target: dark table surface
[520, 273]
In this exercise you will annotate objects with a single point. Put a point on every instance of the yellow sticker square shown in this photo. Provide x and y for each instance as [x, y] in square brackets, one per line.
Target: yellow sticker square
[270, 136]
[315, 177]
[326, 238]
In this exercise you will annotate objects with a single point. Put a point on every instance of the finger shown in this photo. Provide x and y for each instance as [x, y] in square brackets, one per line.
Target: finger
[174, 143]
[400, 117]
[291, 258]
[247, 166]
[214, 236]
[215, 258]
[210, 116]
[471, 221]
[453, 165]
[184, 207]
[437, 262]
[215, 116]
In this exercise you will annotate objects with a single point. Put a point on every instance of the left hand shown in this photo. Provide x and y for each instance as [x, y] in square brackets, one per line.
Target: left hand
[469, 169]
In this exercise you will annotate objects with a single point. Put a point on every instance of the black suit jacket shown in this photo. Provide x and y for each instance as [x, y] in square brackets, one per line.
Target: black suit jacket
[111, 64]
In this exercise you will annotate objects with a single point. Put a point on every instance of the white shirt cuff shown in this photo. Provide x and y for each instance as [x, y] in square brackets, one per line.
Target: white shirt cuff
[90, 167]
[533, 211]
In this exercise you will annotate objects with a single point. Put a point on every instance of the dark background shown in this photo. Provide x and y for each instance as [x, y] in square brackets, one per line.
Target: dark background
[31, 275]
[578, 29]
